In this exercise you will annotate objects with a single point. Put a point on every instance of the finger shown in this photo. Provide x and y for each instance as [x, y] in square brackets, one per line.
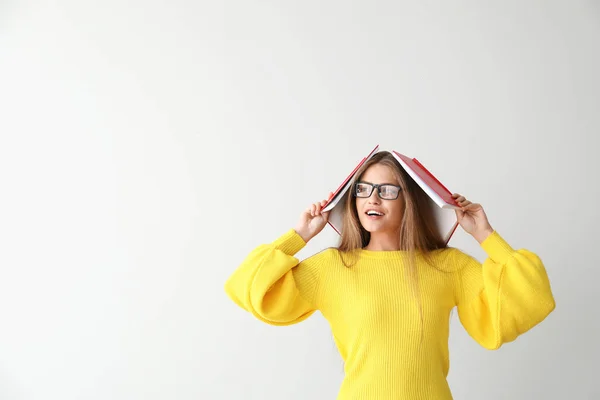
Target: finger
[325, 201]
[317, 208]
[471, 207]
[322, 206]
[312, 210]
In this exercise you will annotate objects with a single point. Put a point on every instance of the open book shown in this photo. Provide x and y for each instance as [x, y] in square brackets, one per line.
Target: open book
[442, 203]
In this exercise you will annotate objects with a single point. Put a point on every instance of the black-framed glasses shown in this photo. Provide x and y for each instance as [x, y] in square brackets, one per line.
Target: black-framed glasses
[385, 191]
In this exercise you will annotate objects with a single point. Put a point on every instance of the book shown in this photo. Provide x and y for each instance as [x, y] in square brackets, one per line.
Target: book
[442, 203]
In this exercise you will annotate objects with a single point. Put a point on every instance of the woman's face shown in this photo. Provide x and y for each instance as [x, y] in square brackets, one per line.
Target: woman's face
[391, 210]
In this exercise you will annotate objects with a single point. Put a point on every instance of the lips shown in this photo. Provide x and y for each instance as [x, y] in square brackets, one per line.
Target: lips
[373, 213]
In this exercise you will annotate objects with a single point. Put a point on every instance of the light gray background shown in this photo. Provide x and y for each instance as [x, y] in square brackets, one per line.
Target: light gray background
[147, 146]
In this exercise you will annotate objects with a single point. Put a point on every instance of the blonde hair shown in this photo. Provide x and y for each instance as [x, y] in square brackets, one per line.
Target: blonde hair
[418, 233]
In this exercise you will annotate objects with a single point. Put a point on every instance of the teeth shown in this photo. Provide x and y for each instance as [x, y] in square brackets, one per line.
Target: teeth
[373, 213]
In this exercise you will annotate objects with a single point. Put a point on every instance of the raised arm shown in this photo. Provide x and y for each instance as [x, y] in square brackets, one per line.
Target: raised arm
[272, 284]
[505, 296]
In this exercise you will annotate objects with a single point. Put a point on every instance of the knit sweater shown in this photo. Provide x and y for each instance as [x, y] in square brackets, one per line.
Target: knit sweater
[389, 352]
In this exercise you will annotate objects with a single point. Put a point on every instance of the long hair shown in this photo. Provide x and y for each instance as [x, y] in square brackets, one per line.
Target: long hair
[418, 233]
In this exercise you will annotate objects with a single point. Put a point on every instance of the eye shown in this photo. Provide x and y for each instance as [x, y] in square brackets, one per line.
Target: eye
[389, 191]
[362, 190]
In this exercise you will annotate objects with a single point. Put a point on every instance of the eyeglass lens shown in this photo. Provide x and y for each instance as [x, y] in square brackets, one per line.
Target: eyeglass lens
[385, 191]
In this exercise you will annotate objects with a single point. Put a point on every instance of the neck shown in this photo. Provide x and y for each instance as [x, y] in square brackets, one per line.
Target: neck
[384, 241]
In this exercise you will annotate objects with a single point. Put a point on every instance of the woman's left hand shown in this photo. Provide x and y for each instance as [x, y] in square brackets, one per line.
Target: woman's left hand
[472, 218]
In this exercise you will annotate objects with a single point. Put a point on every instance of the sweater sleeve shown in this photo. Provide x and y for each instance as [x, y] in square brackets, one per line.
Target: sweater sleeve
[273, 285]
[505, 296]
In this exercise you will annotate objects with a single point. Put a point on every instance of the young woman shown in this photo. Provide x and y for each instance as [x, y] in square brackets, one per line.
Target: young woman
[388, 289]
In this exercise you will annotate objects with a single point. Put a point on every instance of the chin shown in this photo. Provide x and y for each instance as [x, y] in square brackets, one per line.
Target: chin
[379, 226]
[371, 226]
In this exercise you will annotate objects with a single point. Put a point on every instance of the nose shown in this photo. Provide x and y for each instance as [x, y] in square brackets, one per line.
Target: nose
[374, 197]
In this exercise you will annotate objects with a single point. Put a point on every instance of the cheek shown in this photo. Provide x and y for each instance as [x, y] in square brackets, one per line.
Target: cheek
[397, 209]
[359, 204]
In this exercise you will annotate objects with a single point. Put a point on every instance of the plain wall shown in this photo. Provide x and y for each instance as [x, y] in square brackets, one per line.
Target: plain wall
[146, 147]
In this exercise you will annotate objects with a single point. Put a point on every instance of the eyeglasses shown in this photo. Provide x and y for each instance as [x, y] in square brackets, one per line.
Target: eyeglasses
[385, 191]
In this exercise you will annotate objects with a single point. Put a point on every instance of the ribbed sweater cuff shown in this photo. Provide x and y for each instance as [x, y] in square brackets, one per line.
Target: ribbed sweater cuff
[290, 242]
[497, 248]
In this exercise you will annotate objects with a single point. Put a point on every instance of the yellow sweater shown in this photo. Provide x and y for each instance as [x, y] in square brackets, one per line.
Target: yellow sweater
[373, 314]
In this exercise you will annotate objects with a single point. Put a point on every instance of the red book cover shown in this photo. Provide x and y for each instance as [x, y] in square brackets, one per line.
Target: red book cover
[337, 193]
[429, 179]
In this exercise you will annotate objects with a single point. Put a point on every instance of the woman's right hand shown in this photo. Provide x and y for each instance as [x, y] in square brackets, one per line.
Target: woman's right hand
[313, 220]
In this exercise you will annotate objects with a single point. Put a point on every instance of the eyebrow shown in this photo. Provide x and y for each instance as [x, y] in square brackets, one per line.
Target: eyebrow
[385, 183]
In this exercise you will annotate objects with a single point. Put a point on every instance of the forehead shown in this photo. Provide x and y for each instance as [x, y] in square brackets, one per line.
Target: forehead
[378, 173]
